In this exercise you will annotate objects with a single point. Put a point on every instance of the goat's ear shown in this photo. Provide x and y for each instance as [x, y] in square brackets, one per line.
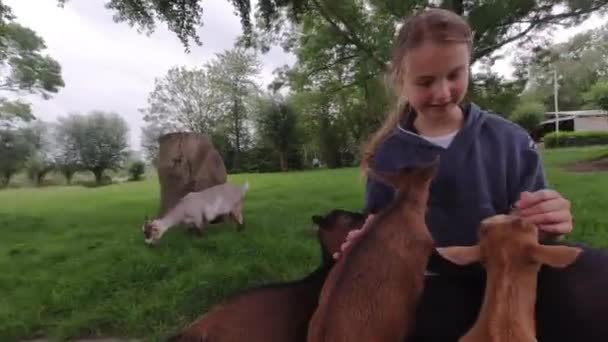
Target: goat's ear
[460, 255]
[429, 170]
[316, 219]
[389, 178]
[555, 256]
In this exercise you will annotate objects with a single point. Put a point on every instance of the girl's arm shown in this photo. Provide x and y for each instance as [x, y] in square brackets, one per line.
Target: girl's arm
[534, 200]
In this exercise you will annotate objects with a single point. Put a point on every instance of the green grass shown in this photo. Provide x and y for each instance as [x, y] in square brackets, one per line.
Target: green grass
[588, 192]
[73, 262]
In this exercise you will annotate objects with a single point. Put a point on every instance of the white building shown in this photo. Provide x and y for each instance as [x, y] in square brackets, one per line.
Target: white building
[577, 120]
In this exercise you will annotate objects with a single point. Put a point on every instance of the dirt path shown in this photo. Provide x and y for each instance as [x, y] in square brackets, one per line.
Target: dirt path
[595, 165]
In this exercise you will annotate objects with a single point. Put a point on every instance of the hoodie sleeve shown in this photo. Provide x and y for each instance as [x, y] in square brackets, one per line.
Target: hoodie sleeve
[529, 171]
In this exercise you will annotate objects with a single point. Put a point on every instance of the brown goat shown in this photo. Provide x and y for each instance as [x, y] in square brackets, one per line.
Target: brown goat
[276, 312]
[372, 292]
[509, 251]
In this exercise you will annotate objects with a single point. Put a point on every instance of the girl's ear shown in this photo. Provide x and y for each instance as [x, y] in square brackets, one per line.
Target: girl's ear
[461, 255]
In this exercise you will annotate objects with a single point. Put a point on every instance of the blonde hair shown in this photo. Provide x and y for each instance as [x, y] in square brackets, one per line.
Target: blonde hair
[433, 24]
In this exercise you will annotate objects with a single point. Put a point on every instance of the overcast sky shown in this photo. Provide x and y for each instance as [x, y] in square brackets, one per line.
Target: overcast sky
[111, 67]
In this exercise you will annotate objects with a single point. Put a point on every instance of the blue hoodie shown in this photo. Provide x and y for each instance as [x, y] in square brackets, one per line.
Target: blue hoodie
[488, 164]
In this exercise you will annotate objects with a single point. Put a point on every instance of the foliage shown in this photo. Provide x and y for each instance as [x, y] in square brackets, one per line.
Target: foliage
[568, 139]
[150, 134]
[216, 99]
[232, 83]
[528, 114]
[494, 93]
[598, 95]
[44, 150]
[15, 149]
[137, 170]
[496, 23]
[11, 111]
[98, 141]
[579, 62]
[23, 67]
[277, 128]
[181, 100]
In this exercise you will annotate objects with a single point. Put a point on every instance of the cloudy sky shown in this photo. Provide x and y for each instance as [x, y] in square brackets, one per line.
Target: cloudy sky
[111, 67]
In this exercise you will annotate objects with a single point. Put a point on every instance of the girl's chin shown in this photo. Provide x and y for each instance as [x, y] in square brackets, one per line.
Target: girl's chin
[440, 109]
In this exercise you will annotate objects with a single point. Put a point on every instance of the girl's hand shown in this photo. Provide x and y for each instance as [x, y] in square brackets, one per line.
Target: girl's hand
[547, 209]
[352, 236]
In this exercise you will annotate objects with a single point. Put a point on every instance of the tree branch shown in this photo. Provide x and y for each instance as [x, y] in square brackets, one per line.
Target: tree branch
[480, 53]
[348, 85]
[349, 36]
[534, 23]
[329, 65]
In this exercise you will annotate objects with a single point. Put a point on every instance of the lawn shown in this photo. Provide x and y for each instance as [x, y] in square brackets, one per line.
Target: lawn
[73, 262]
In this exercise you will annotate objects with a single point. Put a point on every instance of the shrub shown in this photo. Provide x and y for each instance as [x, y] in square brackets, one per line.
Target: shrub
[567, 139]
[528, 115]
[136, 170]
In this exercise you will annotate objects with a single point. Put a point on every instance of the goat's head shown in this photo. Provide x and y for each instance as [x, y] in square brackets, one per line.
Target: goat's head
[413, 181]
[151, 231]
[334, 226]
[508, 240]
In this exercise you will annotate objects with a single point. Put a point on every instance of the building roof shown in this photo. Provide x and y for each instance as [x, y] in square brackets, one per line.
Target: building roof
[568, 113]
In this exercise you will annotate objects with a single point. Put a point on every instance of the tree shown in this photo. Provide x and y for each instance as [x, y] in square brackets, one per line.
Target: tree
[137, 170]
[23, 67]
[11, 111]
[181, 101]
[496, 23]
[598, 94]
[528, 114]
[495, 93]
[149, 141]
[67, 159]
[98, 140]
[322, 127]
[580, 63]
[44, 153]
[276, 126]
[15, 149]
[233, 90]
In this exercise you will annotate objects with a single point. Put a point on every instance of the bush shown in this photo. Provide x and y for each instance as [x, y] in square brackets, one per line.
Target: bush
[567, 139]
[136, 170]
[528, 115]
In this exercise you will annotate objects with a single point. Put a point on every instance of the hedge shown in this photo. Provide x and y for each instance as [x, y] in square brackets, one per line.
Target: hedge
[566, 139]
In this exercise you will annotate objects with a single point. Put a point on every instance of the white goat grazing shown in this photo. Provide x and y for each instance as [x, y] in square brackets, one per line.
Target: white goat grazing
[198, 209]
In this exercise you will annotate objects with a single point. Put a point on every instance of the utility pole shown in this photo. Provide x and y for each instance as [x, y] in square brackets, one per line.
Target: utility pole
[555, 99]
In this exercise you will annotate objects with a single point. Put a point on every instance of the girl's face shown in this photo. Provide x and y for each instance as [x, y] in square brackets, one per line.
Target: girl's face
[436, 77]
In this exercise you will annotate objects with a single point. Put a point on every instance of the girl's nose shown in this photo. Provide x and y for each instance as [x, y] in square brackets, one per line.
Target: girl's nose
[442, 92]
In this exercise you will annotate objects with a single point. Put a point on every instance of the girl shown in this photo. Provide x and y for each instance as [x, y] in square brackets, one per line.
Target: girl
[488, 165]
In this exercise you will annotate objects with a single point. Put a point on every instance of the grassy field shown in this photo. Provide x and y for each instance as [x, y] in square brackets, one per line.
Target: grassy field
[73, 262]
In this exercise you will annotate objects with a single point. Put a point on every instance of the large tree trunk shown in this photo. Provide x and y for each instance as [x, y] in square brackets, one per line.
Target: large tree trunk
[187, 162]
[283, 161]
[98, 175]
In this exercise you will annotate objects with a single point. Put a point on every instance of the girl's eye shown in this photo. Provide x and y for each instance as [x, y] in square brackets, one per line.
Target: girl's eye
[453, 76]
[424, 84]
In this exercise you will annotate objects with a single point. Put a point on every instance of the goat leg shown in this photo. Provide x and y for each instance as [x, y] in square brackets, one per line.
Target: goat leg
[236, 215]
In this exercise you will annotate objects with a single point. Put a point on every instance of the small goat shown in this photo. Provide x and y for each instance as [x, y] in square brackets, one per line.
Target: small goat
[198, 209]
[372, 292]
[276, 312]
[509, 251]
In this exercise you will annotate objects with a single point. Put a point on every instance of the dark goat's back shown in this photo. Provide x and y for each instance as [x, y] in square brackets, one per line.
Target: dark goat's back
[572, 303]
